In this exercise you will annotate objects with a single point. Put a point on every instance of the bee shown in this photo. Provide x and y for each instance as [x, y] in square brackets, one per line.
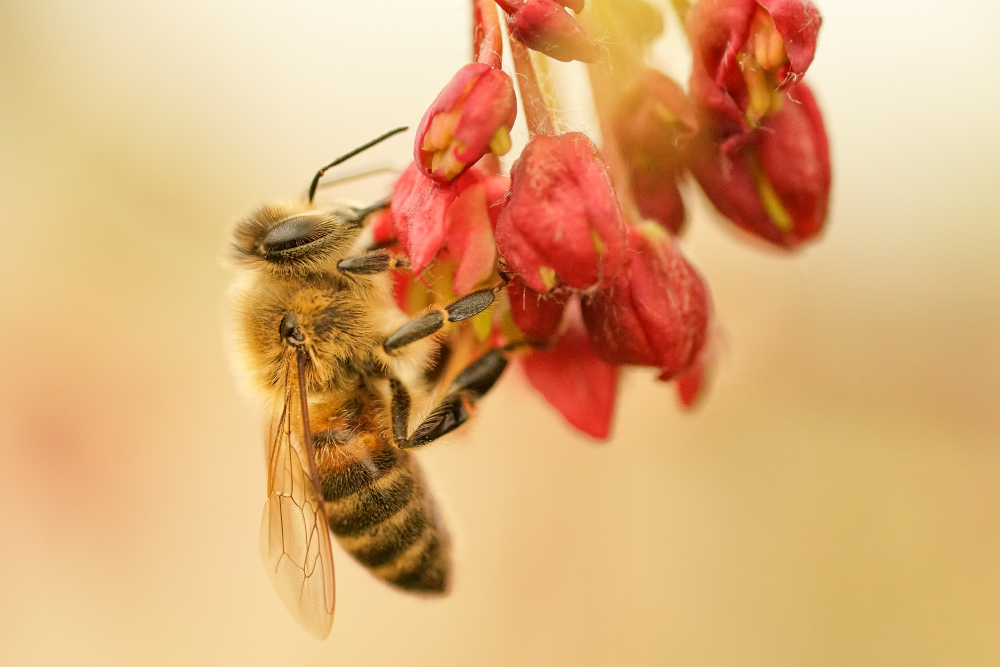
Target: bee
[322, 341]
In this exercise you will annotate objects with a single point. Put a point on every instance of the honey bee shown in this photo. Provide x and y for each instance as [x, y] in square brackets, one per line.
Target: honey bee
[321, 339]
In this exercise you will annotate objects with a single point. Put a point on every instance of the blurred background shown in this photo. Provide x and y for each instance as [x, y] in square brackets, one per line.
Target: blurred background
[835, 501]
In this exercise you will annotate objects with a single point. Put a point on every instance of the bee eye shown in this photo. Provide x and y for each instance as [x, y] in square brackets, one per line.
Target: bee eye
[292, 233]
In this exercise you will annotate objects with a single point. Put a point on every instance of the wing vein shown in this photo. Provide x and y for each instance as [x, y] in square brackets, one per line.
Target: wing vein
[295, 538]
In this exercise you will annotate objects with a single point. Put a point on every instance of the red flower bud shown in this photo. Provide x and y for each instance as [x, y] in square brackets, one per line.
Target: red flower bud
[562, 224]
[538, 316]
[656, 313]
[744, 51]
[776, 186]
[654, 119]
[470, 117]
[543, 25]
[575, 381]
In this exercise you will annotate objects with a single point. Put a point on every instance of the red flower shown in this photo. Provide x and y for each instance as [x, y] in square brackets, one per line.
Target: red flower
[470, 220]
[575, 381]
[418, 211]
[656, 313]
[776, 186]
[470, 117]
[429, 217]
[562, 224]
[538, 316]
[381, 227]
[543, 25]
[654, 119]
[744, 52]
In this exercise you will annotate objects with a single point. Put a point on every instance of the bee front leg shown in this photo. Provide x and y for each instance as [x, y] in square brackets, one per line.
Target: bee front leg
[371, 263]
[455, 408]
[361, 213]
[431, 322]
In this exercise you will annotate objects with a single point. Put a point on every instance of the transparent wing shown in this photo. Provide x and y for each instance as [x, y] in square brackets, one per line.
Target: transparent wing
[294, 534]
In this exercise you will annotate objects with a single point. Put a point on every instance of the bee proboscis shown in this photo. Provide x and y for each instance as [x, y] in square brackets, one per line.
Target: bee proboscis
[322, 341]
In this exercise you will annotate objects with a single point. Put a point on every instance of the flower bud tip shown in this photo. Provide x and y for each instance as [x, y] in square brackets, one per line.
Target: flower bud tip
[548, 276]
[500, 143]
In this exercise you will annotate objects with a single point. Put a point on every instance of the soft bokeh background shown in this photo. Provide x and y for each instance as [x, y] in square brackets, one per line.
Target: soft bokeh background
[835, 502]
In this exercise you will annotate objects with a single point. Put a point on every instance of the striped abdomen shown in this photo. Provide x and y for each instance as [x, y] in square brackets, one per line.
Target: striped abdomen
[381, 512]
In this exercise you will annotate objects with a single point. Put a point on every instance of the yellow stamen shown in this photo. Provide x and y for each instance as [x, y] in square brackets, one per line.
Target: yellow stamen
[482, 324]
[766, 42]
[451, 166]
[548, 276]
[500, 143]
[652, 232]
[779, 215]
[597, 241]
[440, 131]
[436, 159]
[759, 89]
[760, 62]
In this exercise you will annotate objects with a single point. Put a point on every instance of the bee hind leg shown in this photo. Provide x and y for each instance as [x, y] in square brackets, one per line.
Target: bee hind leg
[455, 408]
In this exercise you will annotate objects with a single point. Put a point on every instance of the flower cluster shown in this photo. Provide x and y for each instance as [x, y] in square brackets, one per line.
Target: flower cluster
[586, 237]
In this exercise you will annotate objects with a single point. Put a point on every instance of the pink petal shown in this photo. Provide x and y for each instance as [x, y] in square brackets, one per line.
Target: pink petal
[576, 382]
[470, 238]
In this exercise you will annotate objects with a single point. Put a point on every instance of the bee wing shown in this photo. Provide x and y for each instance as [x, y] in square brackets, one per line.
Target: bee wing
[294, 533]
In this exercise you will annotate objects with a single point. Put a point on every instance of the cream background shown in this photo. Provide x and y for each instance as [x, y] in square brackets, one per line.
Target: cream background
[835, 502]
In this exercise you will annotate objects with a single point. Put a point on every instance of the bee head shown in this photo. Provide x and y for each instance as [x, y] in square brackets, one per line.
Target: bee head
[293, 239]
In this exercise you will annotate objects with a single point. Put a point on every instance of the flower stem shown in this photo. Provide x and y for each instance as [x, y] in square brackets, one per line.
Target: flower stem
[607, 79]
[604, 97]
[537, 114]
[487, 40]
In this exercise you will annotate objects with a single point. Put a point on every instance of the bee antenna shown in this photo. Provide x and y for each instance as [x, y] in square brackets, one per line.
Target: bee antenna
[348, 156]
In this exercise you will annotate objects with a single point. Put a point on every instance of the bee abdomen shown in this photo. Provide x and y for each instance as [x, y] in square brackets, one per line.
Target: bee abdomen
[359, 513]
[382, 514]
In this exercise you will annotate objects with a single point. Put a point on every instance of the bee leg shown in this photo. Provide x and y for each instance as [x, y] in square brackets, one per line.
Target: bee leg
[454, 409]
[400, 409]
[371, 263]
[361, 213]
[431, 322]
